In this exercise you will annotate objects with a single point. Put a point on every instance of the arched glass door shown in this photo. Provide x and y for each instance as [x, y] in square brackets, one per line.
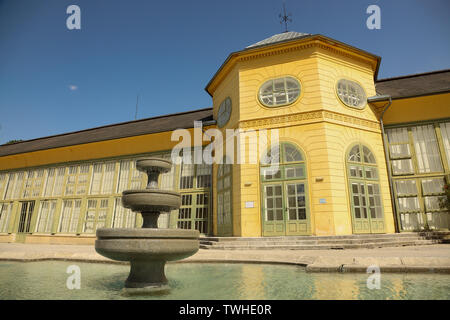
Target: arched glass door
[365, 195]
[285, 208]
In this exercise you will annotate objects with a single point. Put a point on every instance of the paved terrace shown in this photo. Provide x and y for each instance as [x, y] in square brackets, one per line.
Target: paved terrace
[428, 258]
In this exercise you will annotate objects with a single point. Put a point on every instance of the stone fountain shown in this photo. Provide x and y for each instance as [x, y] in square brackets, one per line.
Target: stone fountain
[148, 248]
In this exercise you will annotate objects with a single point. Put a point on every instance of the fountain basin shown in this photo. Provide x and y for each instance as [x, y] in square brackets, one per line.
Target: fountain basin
[147, 250]
[125, 244]
[151, 200]
[155, 164]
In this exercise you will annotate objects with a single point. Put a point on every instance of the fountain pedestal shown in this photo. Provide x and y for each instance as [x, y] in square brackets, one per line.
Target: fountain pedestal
[148, 248]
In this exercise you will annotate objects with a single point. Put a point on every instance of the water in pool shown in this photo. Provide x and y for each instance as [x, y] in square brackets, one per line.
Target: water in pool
[47, 280]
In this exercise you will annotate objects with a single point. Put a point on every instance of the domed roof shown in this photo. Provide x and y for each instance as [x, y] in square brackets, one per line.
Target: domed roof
[280, 37]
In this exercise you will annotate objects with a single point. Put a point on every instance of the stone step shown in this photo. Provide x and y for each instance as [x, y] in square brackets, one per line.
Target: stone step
[367, 245]
[360, 236]
[325, 242]
[311, 242]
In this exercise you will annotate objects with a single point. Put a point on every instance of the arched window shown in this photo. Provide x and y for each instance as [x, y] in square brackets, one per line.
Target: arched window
[285, 208]
[366, 205]
[224, 200]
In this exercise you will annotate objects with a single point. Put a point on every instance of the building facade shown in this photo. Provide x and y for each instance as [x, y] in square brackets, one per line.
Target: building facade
[347, 163]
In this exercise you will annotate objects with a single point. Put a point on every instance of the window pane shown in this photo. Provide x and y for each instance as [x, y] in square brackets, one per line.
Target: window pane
[351, 93]
[406, 187]
[124, 173]
[354, 154]
[445, 132]
[410, 204]
[371, 173]
[433, 186]
[438, 220]
[271, 156]
[427, 150]
[291, 153]
[280, 91]
[368, 156]
[404, 166]
[411, 221]
[399, 151]
[5, 215]
[269, 174]
[397, 135]
[433, 203]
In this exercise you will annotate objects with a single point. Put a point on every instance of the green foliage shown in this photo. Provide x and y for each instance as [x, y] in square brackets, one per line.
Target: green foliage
[13, 141]
[445, 202]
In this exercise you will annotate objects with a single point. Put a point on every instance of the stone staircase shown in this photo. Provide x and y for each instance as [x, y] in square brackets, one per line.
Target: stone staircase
[366, 241]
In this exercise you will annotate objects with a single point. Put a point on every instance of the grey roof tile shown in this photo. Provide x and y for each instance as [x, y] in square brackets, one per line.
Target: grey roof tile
[115, 131]
[415, 84]
[280, 37]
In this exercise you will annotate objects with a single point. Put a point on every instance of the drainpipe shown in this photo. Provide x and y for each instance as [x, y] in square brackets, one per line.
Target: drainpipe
[386, 154]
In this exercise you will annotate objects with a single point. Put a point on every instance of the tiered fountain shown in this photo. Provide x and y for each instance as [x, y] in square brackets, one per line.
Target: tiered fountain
[148, 248]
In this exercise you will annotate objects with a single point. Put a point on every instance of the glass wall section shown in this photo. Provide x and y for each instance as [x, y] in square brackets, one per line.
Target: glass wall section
[5, 216]
[70, 216]
[195, 188]
[4, 177]
[46, 214]
[103, 178]
[419, 158]
[54, 182]
[96, 212]
[224, 199]
[78, 198]
[123, 217]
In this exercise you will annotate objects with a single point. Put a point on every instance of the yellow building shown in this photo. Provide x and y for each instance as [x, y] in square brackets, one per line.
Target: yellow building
[356, 154]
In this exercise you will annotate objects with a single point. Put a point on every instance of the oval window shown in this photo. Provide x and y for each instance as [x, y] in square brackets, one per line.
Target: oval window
[224, 112]
[351, 93]
[279, 92]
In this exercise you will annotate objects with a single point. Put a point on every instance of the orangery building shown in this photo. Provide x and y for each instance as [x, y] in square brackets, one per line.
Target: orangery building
[356, 154]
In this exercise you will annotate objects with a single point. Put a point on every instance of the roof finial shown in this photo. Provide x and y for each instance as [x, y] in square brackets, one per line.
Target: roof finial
[285, 18]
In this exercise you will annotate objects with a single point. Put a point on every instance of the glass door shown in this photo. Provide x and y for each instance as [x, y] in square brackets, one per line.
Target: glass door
[285, 209]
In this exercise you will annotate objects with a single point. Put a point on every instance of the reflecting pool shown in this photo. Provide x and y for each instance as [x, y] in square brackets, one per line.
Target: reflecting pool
[188, 281]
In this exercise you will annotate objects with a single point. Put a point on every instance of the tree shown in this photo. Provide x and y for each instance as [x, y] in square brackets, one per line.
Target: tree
[13, 141]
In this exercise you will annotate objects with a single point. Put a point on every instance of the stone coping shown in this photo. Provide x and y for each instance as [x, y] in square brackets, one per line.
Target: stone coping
[417, 259]
[155, 191]
[146, 233]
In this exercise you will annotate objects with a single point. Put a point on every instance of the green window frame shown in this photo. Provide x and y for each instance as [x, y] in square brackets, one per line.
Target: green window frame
[95, 214]
[5, 216]
[351, 93]
[284, 191]
[279, 92]
[364, 190]
[194, 183]
[70, 216]
[224, 198]
[429, 148]
[291, 165]
[47, 210]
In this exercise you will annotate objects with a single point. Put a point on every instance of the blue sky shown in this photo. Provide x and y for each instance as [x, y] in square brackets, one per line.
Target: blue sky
[54, 80]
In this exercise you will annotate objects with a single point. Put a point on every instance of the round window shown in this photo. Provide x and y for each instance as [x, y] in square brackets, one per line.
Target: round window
[279, 92]
[351, 93]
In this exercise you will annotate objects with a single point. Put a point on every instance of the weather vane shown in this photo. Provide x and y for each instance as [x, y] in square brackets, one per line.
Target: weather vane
[285, 18]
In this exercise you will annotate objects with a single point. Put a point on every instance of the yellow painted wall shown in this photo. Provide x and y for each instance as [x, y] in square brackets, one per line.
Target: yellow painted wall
[324, 141]
[89, 151]
[325, 146]
[418, 109]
